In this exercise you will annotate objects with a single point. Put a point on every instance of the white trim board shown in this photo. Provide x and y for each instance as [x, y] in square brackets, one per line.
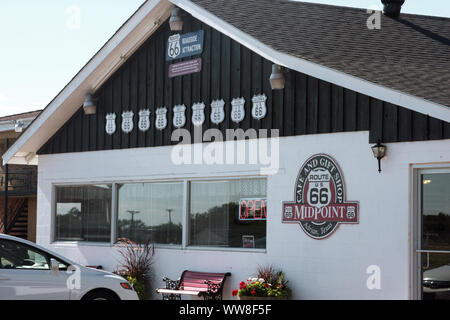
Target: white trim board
[108, 59]
[316, 70]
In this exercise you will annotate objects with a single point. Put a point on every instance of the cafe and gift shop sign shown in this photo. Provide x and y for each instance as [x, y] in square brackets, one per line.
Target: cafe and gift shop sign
[320, 204]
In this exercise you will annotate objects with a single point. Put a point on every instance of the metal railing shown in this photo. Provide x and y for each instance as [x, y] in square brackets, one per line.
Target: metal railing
[433, 252]
[20, 182]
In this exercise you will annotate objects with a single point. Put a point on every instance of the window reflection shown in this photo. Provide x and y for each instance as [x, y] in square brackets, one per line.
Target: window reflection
[215, 219]
[83, 213]
[436, 235]
[151, 212]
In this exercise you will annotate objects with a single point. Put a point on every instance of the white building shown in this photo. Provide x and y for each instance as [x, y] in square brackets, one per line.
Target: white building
[309, 200]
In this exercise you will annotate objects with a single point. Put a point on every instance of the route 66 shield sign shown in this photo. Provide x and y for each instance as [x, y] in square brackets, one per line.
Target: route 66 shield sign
[127, 121]
[161, 118]
[237, 110]
[259, 109]
[110, 127]
[144, 120]
[217, 112]
[174, 46]
[319, 179]
[179, 118]
[198, 114]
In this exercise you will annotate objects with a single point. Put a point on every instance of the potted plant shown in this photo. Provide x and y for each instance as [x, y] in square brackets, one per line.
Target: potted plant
[136, 265]
[269, 284]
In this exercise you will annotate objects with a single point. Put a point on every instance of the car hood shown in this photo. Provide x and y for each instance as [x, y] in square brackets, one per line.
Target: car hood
[99, 273]
[441, 273]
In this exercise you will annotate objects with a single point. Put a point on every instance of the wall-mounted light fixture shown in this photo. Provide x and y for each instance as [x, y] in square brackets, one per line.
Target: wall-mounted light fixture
[277, 79]
[379, 151]
[89, 104]
[175, 21]
[18, 126]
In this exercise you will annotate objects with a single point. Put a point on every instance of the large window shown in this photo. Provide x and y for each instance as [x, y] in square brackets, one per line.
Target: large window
[83, 213]
[151, 212]
[228, 213]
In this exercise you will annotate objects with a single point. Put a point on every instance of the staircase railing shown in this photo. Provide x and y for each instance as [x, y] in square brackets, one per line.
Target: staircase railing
[23, 202]
[15, 208]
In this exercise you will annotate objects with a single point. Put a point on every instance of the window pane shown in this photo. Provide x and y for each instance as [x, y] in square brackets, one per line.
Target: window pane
[151, 212]
[15, 255]
[216, 219]
[436, 235]
[83, 213]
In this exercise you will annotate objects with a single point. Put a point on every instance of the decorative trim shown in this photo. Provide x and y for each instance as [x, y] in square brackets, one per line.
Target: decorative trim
[237, 109]
[127, 121]
[179, 116]
[110, 126]
[198, 114]
[144, 120]
[217, 112]
[161, 118]
[259, 109]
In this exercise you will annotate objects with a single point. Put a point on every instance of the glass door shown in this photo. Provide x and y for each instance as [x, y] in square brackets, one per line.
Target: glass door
[433, 243]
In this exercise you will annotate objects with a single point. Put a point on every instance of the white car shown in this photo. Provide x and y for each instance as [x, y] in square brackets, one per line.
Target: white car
[31, 272]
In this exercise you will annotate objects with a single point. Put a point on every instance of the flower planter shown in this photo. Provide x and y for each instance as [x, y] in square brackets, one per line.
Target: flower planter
[258, 298]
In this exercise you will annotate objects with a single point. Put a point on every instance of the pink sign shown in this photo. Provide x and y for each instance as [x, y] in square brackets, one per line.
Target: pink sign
[185, 67]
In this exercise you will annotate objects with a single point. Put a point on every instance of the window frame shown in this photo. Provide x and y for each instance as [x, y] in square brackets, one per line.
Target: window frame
[185, 217]
[217, 248]
[48, 256]
[415, 222]
[53, 239]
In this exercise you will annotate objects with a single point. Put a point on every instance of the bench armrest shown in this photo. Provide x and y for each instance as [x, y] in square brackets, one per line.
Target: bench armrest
[171, 284]
[213, 287]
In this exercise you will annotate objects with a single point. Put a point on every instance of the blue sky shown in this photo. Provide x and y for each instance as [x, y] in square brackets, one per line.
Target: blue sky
[45, 43]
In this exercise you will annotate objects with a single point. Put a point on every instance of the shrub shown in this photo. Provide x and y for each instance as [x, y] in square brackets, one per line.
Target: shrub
[136, 265]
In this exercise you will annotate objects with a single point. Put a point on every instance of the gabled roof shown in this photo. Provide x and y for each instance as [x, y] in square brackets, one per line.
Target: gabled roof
[404, 63]
[411, 54]
[20, 116]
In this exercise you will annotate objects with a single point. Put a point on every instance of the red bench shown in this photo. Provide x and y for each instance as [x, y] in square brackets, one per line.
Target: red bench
[201, 284]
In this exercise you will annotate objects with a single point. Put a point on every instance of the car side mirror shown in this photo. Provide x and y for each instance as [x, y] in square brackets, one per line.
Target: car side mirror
[54, 265]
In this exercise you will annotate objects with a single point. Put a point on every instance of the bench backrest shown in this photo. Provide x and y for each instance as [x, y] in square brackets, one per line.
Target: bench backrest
[195, 281]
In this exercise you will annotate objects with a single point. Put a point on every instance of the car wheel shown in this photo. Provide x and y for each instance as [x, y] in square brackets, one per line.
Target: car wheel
[100, 295]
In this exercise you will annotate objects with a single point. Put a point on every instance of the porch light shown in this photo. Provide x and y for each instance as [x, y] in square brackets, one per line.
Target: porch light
[379, 151]
[277, 79]
[18, 126]
[89, 104]
[175, 21]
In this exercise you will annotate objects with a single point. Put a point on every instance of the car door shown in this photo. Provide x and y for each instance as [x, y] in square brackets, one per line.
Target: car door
[25, 274]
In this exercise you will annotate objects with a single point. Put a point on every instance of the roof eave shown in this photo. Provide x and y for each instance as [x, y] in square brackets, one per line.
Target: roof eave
[109, 58]
[334, 76]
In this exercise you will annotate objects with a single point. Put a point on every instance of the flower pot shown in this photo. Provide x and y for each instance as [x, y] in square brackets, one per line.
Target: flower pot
[258, 298]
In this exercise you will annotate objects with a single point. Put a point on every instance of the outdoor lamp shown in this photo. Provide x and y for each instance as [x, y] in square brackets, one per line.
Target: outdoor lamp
[379, 151]
[176, 23]
[18, 126]
[89, 105]
[277, 79]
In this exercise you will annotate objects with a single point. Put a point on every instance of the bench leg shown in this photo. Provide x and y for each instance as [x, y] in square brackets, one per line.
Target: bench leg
[213, 296]
[171, 296]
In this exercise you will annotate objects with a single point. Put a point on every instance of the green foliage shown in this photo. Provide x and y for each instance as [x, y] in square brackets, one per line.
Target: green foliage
[269, 283]
[140, 287]
[136, 265]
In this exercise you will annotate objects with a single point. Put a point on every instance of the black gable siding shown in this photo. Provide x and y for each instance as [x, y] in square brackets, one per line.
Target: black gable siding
[306, 106]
